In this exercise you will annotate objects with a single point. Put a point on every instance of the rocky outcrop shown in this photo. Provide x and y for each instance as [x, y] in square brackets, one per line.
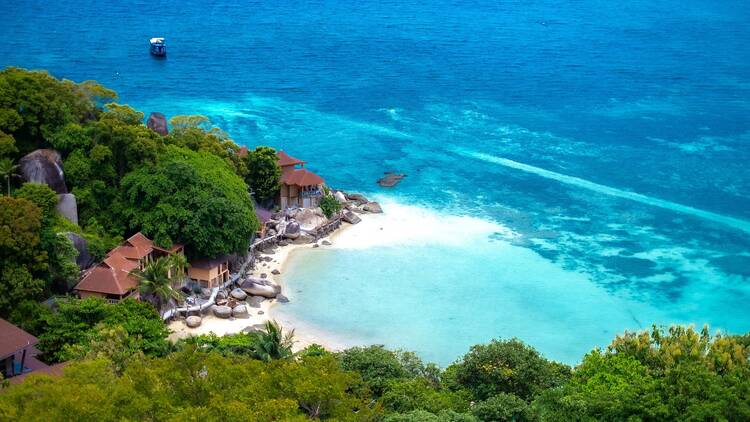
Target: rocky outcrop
[238, 294]
[357, 198]
[67, 207]
[309, 218]
[372, 207]
[222, 311]
[292, 230]
[390, 179]
[303, 239]
[44, 166]
[350, 217]
[158, 123]
[275, 272]
[240, 311]
[193, 321]
[84, 259]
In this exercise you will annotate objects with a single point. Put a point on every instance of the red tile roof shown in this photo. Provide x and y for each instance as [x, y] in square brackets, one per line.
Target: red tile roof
[301, 177]
[112, 275]
[242, 152]
[13, 339]
[287, 160]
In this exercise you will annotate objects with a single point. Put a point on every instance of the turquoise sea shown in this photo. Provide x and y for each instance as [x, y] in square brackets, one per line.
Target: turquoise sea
[575, 169]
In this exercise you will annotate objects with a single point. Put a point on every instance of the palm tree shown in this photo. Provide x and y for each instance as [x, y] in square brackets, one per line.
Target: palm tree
[154, 283]
[273, 343]
[179, 265]
[7, 170]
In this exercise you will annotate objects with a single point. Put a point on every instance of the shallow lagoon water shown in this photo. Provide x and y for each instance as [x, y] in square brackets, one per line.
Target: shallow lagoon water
[600, 150]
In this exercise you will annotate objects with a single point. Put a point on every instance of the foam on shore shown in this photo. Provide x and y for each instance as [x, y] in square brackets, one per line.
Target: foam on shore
[410, 225]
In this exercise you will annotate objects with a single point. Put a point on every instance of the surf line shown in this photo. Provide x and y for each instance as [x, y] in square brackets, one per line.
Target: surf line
[608, 190]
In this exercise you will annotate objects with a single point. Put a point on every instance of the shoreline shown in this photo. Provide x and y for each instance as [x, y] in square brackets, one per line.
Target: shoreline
[304, 334]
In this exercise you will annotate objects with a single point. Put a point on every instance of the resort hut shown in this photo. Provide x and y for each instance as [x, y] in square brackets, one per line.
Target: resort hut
[210, 273]
[17, 351]
[299, 186]
[111, 278]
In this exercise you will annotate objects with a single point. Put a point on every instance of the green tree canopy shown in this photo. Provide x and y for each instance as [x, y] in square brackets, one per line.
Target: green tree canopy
[47, 105]
[674, 374]
[263, 173]
[192, 198]
[78, 323]
[507, 366]
[189, 385]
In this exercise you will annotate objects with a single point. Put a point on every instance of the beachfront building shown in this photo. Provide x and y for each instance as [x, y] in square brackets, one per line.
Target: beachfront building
[17, 351]
[299, 186]
[111, 278]
[209, 273]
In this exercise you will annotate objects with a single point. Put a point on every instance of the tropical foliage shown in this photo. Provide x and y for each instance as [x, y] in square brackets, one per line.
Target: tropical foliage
[155, 279]
[329, 204]
[263, 173]
[71, 331]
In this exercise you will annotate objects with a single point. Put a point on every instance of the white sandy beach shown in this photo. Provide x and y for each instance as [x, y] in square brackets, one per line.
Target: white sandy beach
[304, 334]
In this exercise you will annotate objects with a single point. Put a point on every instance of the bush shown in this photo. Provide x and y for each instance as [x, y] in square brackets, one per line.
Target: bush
[377, 365]
[508, 366]
[501, 408]
[329, 205]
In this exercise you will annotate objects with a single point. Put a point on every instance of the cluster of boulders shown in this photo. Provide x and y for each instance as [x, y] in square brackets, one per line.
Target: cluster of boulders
[252, 291]
[355, 203]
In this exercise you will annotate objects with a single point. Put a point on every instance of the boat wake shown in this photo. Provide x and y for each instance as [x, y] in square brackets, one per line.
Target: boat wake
[607, 190]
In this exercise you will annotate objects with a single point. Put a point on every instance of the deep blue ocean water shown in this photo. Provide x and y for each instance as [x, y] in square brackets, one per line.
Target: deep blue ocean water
[608, 142]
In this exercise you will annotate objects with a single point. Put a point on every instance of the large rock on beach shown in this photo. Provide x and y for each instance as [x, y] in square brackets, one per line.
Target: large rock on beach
[350, 217]
[255, 301]
[292, 230]
[309, 218]
[357, 198]
[256, 328]
[240, 311]
[372, 207]
[238, 294]
[44, 166]
[257, 288]
[67, 207]
[303, 239]
[193, 321]
[340, 197]
[158, 123]
[223, 311]
[84, 258]
[390, 179]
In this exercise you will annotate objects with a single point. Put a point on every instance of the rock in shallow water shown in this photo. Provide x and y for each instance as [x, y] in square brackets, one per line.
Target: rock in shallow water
[282, 299]
[390, 179]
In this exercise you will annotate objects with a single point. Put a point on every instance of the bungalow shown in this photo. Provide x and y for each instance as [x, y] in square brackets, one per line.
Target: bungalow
[299, 186]
[209, 273]
[111, 278]
[17, 351]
